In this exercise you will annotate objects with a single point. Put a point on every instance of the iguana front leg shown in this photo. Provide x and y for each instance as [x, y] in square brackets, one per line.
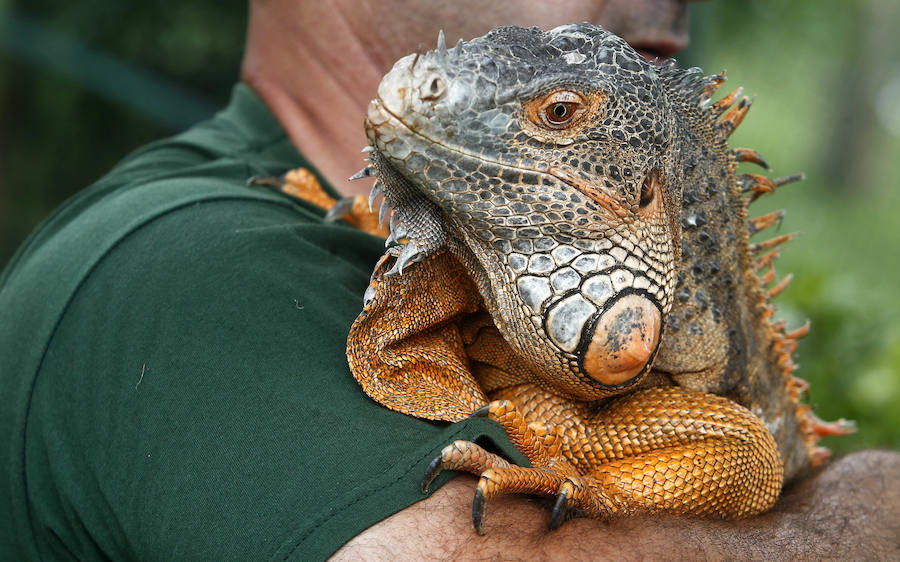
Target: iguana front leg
[660, 449]
[405, 349]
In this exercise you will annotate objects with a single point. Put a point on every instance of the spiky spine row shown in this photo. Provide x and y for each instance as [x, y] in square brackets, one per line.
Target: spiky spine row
[784, 343]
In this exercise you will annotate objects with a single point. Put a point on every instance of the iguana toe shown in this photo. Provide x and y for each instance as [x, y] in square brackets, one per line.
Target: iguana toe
[464, 456]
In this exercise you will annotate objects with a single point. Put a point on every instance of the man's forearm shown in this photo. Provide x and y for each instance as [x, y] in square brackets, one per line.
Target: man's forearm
[850, 509]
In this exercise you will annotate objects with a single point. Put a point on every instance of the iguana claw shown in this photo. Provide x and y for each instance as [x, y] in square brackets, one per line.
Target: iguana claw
[560, 509]
[341, 209]
[266, 181]
[434, 468]
[478, 512]
[482, 412]
[409, 253]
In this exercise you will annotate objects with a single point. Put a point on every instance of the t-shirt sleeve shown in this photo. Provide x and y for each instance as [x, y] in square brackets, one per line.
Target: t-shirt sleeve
[194, 401]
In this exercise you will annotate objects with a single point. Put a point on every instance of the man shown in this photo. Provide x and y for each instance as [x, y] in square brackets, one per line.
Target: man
[171, 356]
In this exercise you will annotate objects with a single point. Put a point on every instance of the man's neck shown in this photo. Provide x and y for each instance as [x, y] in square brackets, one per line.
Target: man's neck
[294, 74]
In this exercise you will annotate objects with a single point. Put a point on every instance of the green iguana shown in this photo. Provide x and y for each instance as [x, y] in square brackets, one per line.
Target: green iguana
[569, 255]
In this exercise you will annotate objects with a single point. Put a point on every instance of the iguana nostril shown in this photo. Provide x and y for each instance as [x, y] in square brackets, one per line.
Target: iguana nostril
[623, 341]
[395, 89]
[433, 87]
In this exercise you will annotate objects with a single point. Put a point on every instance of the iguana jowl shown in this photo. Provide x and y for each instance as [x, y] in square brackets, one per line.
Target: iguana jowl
[569, 255]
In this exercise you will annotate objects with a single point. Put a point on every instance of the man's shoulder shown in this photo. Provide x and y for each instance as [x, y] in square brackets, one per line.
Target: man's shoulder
[171, 269]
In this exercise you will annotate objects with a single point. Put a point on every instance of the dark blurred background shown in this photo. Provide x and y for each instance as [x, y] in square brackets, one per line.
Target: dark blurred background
[84, 83]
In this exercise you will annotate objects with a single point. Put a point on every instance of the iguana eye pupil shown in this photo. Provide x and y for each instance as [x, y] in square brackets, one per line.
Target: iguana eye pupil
[560, 113]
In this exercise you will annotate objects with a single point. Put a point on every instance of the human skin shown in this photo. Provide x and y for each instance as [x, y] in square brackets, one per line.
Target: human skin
[848, 511]
[317, 65]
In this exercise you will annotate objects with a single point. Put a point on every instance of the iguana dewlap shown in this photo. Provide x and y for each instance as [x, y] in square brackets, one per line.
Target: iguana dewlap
[569, 255]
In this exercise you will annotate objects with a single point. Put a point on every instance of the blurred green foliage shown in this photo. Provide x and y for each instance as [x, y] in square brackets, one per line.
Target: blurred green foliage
[57, 134]
[822, 72]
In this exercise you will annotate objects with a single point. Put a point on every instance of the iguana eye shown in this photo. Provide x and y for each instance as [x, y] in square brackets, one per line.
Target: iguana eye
[558, 110]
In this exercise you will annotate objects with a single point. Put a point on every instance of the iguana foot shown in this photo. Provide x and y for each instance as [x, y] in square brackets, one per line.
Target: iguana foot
[497, 476]
[302, 184]
[550, 474]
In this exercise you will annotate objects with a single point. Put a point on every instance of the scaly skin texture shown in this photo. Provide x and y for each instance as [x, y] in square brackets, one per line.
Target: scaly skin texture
[569, 255]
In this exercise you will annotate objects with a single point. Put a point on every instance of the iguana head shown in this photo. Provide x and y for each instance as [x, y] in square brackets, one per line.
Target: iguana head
[549, 156]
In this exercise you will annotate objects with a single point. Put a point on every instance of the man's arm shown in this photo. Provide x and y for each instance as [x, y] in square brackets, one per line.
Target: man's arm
[850, 509]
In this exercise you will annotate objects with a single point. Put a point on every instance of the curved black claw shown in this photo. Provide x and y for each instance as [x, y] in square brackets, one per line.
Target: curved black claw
[478, 511]
[560, 510]
[434, 468]
[482, 412]
[267, 181]
[340, 210]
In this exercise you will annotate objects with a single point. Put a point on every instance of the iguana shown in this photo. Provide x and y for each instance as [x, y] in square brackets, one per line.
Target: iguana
[569, 255]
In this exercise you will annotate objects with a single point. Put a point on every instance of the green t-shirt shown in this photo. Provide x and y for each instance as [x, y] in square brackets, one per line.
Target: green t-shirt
[172, 368]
